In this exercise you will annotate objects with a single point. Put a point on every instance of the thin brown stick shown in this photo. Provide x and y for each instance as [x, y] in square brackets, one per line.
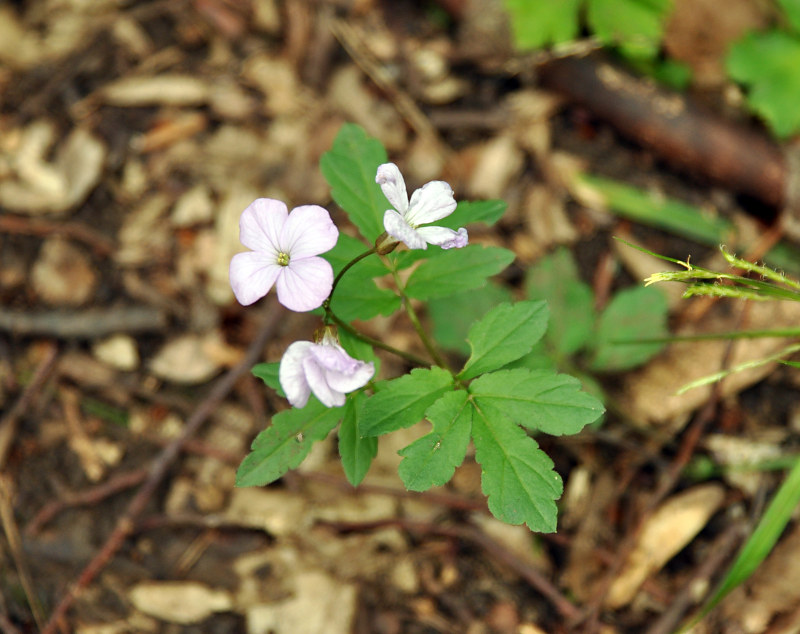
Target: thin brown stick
[91, 323]
[126, 524]
[8, 424]
[15, 545]
[563, 606]
[100, 244]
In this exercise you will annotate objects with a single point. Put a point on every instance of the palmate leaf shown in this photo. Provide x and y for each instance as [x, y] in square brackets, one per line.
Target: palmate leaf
[402, 402]
[286, 442]
[432, 460]
[537, 399]
[538, 24]
[636, 26]
[457, 270]
[470, 211]
[516, 476]
[350, 168]
[268, 372]
[355, 450]
[505, 334]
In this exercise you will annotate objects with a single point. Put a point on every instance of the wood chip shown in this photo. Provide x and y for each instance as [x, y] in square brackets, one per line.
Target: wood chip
[181, 602]
[63, 274]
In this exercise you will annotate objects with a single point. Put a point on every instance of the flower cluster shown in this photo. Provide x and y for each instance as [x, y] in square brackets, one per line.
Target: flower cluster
[284, 252]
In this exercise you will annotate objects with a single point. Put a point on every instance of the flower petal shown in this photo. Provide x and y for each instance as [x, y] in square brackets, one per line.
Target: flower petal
[394, 187]
[431, 202]
[252, 274]
[399, 229]
[292, 375]
[343, 373]
[308, 231]
[261, 223]
[347, 382]
[315, 375]
[305, 284]
[444, 237]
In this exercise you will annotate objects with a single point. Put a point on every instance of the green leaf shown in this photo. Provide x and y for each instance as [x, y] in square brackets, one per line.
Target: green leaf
[767, 64]
[286, 442]
[468, 212]
[638, 312]
[764, 537]
[350, 167]
[505, 334]
[457, 270]
[453, 316]
[555, 279]
[432, 460]
[636, 26]
[536, 359]
[355, 450]
[402, 402]
[268, 372]
[539, 400]
[537, 24]
[516, 476]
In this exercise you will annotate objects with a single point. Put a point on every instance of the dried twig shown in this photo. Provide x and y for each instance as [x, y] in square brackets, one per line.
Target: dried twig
[8, 424]
[99, 243]
[85, 324]
[126, 524]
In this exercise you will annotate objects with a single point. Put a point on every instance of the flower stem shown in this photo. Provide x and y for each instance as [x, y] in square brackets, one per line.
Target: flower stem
[346, 268]
[377, 343]
[412, 315]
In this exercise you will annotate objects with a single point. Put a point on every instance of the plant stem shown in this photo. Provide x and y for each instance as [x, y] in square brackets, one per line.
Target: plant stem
[346, 268]
[412, 315]
[375, 342]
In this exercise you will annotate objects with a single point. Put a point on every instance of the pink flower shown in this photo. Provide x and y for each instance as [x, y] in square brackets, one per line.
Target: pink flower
[432, 202]
[322, 368]
[284, 246]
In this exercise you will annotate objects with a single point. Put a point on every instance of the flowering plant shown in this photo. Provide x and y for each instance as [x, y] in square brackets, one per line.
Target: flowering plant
[494, 400]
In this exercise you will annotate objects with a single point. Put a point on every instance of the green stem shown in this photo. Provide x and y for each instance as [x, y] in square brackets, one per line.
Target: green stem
[375, 342]
[412, 315]
[347, 268]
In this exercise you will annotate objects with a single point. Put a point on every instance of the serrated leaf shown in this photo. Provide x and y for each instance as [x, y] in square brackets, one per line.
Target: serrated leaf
[268, 372]
[537, 24]
[286, 442]
[516, 476]
[432, 460]
[453, 316]
[355, 450]
[539, 400]
[350, 167]
[636, 26]
[767, 64]
[402, 402]
[457, 270]
[471, 211]
[638, 312]
[571, 302]
[505, 334]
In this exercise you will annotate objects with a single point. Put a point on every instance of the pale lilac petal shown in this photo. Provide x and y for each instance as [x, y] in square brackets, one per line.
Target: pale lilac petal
[394, 187]
[292, 375]
[252, 274]
[443, 237]
[432, 202]
[399, 229]
[332, 357]
[315, 375]
[308, 231]
[347, 382]
[261, 223]
[305, 284]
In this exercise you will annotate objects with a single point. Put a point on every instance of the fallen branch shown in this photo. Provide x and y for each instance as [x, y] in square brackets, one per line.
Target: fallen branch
[92, 323]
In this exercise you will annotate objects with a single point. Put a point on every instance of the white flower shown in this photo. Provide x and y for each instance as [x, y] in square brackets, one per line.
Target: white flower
[432, 202]
[284, 252]
[322, 368]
